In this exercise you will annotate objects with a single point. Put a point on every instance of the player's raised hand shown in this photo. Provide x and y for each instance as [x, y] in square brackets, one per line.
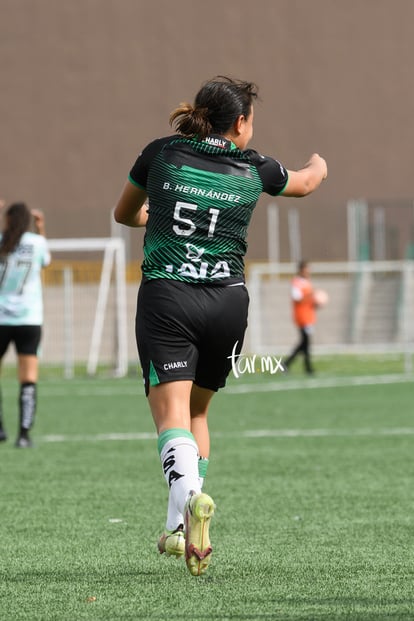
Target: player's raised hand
[39, 221]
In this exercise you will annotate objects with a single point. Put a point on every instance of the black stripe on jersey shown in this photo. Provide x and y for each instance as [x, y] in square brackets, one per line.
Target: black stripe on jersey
[186, 155]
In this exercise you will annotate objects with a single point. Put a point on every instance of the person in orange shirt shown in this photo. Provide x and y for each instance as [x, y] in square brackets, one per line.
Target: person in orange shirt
[304, 315]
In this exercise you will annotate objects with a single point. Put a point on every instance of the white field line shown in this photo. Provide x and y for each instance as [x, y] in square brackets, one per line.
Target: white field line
[253, 433]
[97, 389]
[334, 382]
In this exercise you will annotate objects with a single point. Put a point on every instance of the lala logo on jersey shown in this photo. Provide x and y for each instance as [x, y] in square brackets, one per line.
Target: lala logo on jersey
[194, 253]
[220, 270]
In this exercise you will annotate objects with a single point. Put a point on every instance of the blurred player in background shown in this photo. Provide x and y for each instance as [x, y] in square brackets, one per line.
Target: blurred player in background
[202, 185]
[23, 254]
[305, 301]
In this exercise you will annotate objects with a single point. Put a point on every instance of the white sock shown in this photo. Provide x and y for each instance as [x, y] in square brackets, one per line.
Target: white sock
[174, 516]
[179, 458]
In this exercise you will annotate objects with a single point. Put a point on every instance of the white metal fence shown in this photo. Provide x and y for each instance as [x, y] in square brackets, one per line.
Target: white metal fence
[370, 307]
[91, 322]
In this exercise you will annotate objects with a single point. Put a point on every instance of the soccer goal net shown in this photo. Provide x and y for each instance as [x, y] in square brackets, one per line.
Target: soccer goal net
[85, 306]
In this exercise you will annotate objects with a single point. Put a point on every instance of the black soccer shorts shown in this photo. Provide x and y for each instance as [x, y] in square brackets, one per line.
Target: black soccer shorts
[26, 339]
[189, 332]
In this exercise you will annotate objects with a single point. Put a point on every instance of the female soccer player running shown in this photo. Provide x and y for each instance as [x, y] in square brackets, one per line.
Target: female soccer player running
[195, 192]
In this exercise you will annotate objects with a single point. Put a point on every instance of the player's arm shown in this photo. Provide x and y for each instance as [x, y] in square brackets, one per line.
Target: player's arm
[296, 294]
[131, 208]
[40, 228]
[39, 222]
[304, 181]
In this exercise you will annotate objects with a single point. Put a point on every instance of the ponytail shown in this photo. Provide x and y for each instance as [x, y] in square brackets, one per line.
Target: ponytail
[191, 121]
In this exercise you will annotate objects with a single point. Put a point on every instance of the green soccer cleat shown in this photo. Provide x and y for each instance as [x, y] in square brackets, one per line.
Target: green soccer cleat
[199, 510]
[172, 543]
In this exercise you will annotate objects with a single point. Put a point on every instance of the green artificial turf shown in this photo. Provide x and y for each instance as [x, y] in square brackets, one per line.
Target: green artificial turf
[313, 486]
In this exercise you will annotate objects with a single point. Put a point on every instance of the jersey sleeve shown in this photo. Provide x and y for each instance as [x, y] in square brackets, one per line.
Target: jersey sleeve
[139, 172]
[273, 174]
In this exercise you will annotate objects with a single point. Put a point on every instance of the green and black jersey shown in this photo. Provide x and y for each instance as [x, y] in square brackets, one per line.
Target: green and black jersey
[201, 198]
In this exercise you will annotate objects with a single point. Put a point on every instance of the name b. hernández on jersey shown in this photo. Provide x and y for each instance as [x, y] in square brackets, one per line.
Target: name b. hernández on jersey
[201, 198]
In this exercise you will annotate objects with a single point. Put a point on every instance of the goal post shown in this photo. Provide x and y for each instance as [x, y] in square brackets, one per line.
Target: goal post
[86, 317]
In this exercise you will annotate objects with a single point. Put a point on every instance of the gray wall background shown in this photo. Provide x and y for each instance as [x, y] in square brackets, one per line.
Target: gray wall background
[86, 84]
